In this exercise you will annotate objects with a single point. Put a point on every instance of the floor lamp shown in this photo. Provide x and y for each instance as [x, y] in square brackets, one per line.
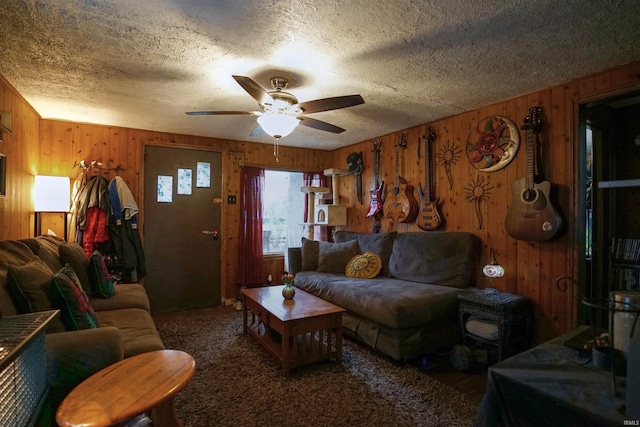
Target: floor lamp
[52, 194]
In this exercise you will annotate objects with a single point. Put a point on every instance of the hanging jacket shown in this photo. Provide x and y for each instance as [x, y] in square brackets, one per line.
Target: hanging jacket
[93, 194]
[93, 206]
[123, 205]
[123, 226]
[96, 230]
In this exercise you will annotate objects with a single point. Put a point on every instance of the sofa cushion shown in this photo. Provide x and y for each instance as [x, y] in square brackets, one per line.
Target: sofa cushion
[445, 258]
[378, 243]
[73, 254]
[138, 330]
[310, 250]
[29, 286]
[99, 280]
[364, 266]
[11, 253]
[391, 302]
[127, 295]
[333, 257]
[68, 296]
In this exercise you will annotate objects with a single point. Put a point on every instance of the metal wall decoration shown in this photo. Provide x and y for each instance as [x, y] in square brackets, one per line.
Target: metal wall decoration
[448, 155]
[493, 143]
[478, 191]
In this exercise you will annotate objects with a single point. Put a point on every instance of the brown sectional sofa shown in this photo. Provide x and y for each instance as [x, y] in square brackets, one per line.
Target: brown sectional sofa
[125, 326]
[411, 307]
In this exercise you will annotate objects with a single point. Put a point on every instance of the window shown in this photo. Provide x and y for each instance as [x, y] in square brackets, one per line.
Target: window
[283, 211]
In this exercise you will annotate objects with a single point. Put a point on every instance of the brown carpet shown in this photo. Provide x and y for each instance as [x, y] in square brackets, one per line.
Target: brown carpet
[237, 383]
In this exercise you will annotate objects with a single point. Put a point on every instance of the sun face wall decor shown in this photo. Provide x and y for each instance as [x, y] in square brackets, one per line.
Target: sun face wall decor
[493, 143]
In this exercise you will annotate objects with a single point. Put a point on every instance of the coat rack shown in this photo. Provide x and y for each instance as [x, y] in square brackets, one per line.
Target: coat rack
[98, 165]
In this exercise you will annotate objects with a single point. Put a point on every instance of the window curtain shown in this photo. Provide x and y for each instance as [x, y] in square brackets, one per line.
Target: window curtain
[250, 260]
[316, 179]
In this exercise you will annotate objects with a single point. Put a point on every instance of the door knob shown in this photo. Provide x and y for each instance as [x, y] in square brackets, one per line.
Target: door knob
[213, 233]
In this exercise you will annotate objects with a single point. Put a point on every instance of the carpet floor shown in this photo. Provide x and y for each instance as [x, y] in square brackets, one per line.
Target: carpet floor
[237, 383]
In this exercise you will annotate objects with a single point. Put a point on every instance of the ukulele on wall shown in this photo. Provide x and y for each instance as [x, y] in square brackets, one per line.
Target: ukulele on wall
[400, 204]
[531, 216]
[429, 218]
[377, 189]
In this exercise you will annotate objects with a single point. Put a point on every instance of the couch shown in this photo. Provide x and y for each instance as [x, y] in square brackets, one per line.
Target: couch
[119, 325]
[410, 307]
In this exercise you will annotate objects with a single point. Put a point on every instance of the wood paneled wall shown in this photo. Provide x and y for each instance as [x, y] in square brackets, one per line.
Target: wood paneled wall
[121, 150]
[21, 149]
[531, 268]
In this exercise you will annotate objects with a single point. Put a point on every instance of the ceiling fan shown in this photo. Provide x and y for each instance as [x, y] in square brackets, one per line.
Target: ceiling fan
[280, 112]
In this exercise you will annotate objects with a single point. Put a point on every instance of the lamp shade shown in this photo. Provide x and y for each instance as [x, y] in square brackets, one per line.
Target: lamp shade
[493, 269]
[52, 194]
[278, 125]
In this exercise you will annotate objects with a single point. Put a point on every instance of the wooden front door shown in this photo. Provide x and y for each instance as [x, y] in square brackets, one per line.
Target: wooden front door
[181, 225]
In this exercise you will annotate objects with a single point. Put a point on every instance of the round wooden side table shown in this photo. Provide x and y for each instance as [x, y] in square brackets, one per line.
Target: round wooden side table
[138, 384]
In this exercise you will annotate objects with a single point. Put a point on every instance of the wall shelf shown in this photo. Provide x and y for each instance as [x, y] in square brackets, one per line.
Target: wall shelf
[620, 183]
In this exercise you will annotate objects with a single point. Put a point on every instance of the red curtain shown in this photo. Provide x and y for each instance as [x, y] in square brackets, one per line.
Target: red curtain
[316, 179]
[250, 260]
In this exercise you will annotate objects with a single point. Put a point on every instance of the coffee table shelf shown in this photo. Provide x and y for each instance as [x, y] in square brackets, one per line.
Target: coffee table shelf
[305, 330]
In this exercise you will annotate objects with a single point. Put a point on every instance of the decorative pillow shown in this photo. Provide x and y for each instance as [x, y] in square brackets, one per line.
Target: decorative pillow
[101, 284]
[378, 243]
[44, 250]
[333, 257]
[309, 252]
[48, 250]
[28, 286]
[73, 254]
[68, 296]
[364, 266]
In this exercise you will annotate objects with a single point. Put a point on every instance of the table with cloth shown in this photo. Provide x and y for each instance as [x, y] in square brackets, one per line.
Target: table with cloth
[552, 385]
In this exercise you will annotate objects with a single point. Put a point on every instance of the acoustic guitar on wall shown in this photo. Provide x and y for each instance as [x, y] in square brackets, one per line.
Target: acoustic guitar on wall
[531, 215]
[429, 218]
[400, 204]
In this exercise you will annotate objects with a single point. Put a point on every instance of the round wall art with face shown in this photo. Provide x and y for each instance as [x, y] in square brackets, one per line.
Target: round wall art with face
[493, 143]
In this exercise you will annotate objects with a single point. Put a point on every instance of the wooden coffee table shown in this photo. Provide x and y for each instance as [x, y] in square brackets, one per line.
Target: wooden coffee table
[145, 382]
[309, 329]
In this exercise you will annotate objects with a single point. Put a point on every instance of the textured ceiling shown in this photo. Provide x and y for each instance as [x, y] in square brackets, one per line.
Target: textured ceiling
[143, 64]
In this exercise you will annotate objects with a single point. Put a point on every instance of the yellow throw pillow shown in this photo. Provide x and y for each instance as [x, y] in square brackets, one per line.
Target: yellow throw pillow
[364, 266]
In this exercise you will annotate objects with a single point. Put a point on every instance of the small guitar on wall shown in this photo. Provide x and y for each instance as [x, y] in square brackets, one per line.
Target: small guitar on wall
[429, 218]
[531, 216]
[400, 204]
[377, 186]
[377, 189]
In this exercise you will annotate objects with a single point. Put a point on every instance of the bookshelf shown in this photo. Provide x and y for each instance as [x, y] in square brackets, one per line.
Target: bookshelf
[625, 264]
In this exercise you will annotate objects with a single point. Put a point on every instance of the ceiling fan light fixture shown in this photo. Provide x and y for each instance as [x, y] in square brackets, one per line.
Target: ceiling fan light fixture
[277, 125]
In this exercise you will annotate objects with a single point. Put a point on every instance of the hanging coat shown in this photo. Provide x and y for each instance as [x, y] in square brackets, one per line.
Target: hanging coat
[92, 214]
[123, 226]
[96, 230]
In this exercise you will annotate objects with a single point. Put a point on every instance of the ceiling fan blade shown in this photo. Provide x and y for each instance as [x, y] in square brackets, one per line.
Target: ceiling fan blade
[255, 90]
[257, 131]
[318, 124]
[326, 104]
[222, 113]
